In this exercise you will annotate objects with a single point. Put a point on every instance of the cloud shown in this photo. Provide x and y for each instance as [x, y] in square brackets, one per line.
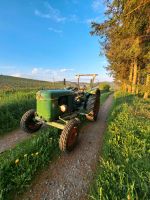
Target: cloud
[55, 15]
[96, 5]
[55, 30]
[51, 13]
[36, 71]
[16, 75]
[40, 14]
[65, 70]
[50, 74]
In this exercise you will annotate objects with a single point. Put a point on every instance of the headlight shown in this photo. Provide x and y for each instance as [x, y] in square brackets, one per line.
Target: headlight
[63, 108]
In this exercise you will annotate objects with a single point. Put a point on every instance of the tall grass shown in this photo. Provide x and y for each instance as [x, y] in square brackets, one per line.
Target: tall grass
[12, 107]
[124, 168]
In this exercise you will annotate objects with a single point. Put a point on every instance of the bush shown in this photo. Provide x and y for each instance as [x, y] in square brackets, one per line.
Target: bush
[19, 165]
[104, 87]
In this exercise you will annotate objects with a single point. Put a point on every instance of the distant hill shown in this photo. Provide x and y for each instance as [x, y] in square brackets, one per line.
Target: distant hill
[9, 83]
[15, 83]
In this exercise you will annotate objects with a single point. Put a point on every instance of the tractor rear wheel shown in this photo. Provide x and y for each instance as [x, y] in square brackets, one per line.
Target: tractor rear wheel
[93, 105]
[69, 135]
[28, 122]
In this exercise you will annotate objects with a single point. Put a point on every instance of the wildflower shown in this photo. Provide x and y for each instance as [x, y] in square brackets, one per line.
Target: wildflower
[25, 155]
[32, 154]
[128, 197]
[37, 153]
[16, 161]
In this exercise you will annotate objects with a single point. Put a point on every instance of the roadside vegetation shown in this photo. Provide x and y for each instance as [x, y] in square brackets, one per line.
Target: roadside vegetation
[123, 171]
[19, 165]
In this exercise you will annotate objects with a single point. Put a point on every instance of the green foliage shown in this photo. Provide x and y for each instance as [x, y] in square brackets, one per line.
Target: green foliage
[104, 87]
[123, 172]
[19, 165]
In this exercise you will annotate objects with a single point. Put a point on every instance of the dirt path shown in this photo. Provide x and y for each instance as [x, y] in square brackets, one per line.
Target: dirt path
[11, 139]
[69, 177]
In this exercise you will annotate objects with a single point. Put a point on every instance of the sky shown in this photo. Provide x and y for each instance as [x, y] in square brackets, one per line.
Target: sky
[50, 39]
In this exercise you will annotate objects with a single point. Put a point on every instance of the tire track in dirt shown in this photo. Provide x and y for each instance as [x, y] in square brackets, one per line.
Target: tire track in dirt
[69, 177]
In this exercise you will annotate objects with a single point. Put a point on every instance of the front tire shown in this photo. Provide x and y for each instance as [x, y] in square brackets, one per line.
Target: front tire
[69, 135]
[28, 122]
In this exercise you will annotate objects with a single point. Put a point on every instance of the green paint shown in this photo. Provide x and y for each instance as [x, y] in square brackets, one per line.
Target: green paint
[48, 107]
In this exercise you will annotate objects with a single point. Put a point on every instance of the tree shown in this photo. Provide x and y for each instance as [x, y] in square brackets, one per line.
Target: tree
[104, 87]
[126, 42]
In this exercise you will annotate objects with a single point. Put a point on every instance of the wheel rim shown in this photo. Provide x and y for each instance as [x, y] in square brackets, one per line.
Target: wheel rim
[32, 123]
[72, 137]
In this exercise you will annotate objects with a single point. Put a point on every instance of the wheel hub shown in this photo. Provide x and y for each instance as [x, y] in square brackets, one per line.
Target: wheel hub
[72, 136]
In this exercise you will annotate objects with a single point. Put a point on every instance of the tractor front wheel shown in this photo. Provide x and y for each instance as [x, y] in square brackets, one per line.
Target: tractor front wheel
[28, 122]
[69, 135]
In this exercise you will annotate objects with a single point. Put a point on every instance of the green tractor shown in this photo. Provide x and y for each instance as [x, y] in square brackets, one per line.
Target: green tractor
[63, 109]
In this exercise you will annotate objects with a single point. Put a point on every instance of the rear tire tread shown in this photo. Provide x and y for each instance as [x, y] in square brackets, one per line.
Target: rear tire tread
[65, 133]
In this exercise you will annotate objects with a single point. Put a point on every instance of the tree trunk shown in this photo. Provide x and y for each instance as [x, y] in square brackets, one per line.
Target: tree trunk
[134, 76]
[146, 94]
[130, 79]
[124, 86]
[138, 81]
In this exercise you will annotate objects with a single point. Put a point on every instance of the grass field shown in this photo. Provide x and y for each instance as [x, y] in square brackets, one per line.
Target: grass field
[12, 107]
[124, 170]
[10, 83]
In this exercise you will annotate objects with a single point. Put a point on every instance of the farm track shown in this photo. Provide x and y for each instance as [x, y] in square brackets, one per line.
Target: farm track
[11, 139]
[69, 177]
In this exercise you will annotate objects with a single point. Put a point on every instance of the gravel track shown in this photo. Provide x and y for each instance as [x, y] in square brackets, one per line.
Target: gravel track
[69, 177]
[11, 139]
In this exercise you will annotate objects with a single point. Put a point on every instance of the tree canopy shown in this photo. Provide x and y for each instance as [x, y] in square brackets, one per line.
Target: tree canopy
[126, 43]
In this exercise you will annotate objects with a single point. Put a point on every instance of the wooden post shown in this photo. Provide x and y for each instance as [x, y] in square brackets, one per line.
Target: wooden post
[78, 82]
[92, 80]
